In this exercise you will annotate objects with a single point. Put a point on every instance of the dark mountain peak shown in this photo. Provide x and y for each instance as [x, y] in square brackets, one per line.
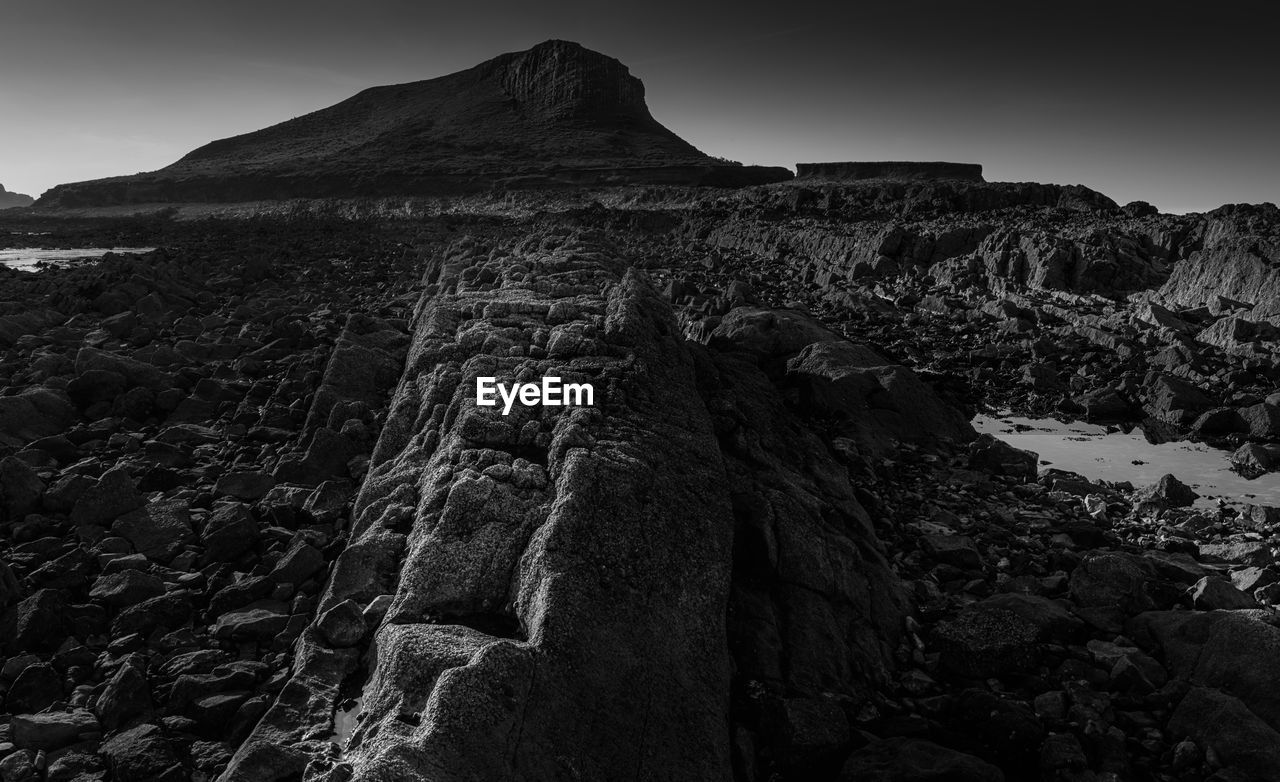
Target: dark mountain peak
[558, 114]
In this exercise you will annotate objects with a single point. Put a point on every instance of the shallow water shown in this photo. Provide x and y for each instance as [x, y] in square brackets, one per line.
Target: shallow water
[1097, 454]
[28, 259]
[345, 721]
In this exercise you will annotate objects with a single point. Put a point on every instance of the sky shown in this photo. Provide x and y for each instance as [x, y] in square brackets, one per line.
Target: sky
[1172, 102]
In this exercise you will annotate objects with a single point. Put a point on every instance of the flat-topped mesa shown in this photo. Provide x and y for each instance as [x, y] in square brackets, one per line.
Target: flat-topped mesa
[899, 170]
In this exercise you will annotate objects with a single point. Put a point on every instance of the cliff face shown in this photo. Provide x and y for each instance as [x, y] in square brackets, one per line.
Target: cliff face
[559, 81]
[557, 114]
[9, 200]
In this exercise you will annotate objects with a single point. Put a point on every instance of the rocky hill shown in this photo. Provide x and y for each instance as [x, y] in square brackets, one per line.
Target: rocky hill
[9, 200]
[555, 114]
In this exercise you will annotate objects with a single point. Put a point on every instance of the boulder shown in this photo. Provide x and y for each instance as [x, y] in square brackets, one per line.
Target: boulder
[141, 754]
[50, 730]
[1225, 724]
[246, 486]
[1168, 492]
[158, 531]
[113, 495]
[125, 696]
[1261, 420]
[986, 641]
[991, 454]
[35, 413]
[343, 625]
[261, 620]
[20, 489]
[1211, 593]
[126, 588]
[229, 532]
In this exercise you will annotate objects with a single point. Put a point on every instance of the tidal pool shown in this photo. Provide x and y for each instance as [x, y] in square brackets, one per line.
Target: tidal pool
[29, 259]
[1099, 454]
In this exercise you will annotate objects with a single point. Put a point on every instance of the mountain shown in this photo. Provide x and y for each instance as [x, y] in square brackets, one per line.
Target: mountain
[9, 200]
[555, 114]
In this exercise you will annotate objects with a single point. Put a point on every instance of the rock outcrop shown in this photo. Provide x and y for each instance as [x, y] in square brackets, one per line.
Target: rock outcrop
[9, 200]
[626, 566]
[555, 115]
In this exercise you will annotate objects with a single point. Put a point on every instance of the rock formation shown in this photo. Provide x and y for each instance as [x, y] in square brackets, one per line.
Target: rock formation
[9, 200]
[556, 114]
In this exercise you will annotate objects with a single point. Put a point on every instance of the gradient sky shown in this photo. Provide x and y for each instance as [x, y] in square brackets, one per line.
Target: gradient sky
[1172, 102]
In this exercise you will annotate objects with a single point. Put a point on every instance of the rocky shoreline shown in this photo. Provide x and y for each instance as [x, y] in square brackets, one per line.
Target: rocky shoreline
[254, 528]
